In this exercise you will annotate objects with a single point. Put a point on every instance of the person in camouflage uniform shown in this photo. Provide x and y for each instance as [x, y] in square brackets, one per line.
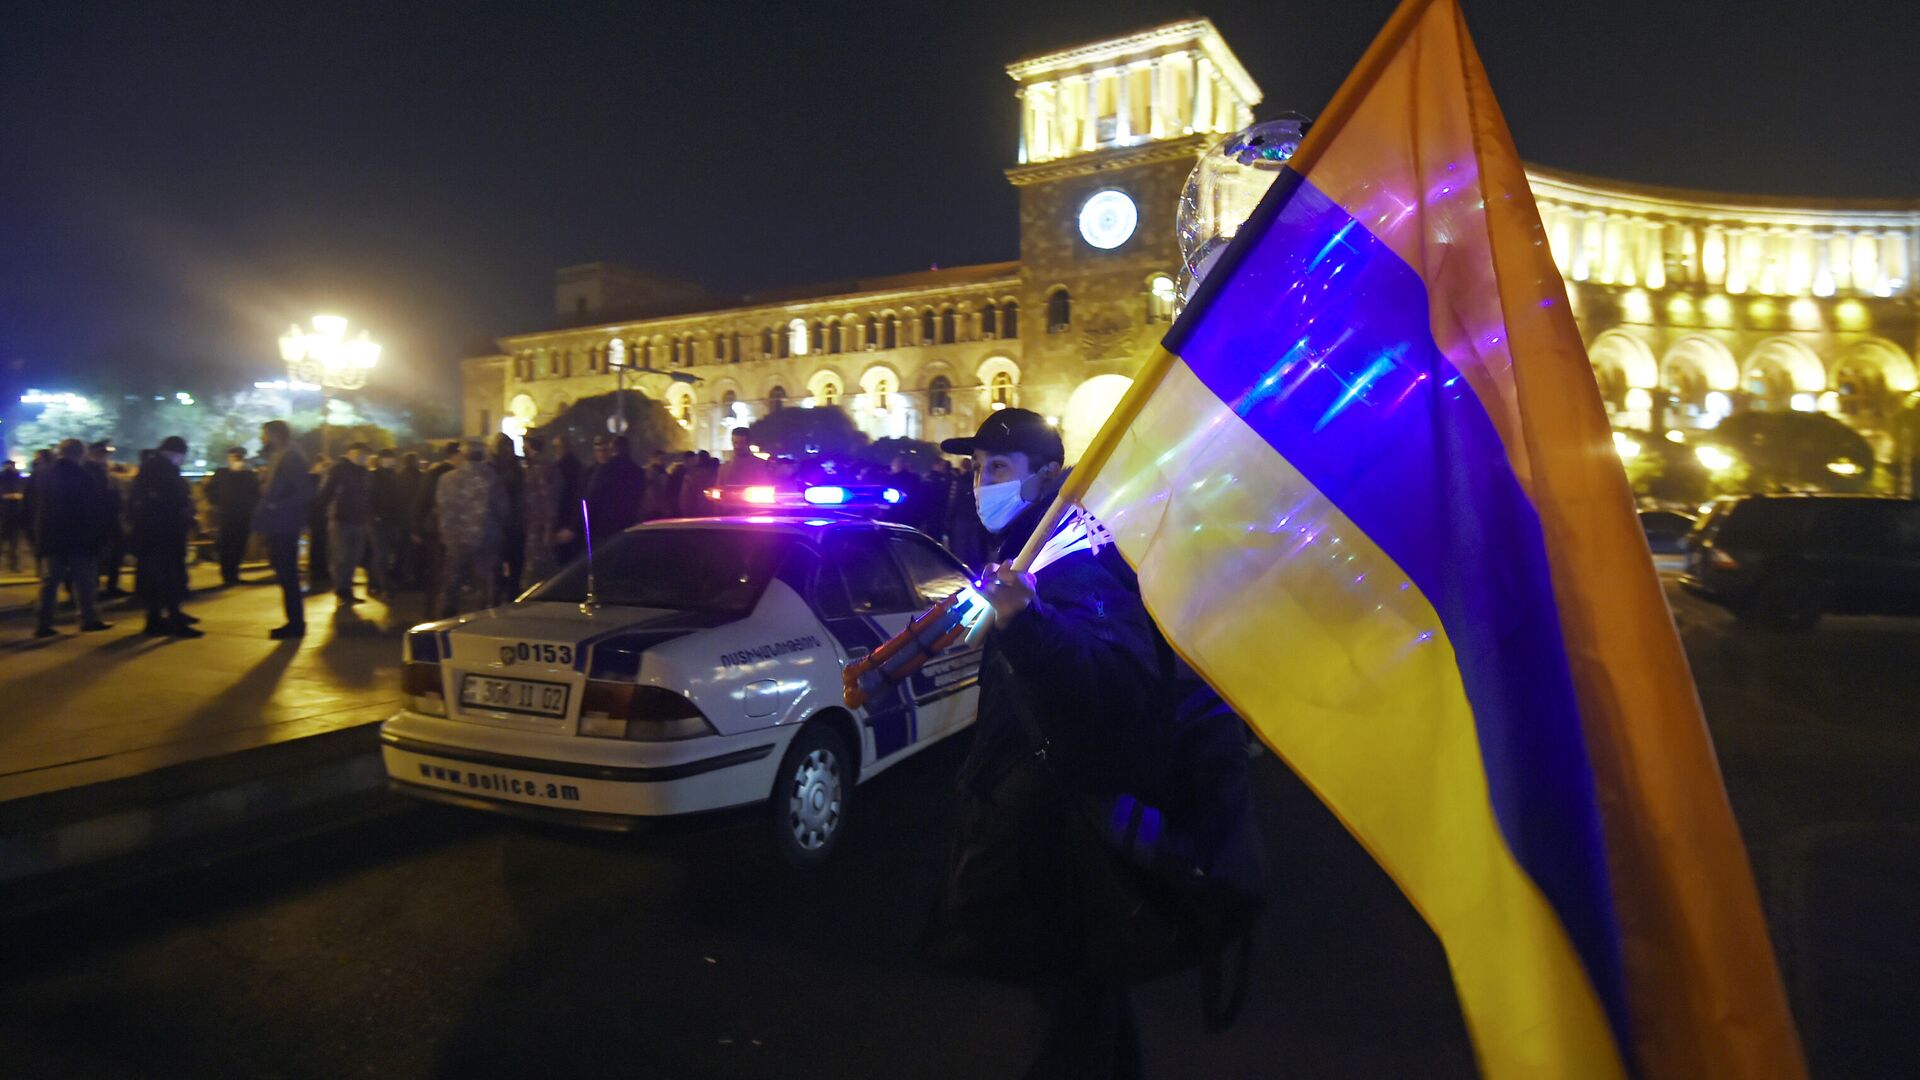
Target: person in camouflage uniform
[471, 503]
[543, 505]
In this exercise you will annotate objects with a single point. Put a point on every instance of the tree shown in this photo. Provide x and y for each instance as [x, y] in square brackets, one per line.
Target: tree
[826, 431]
[87, 419]
[1668, 472]
[650, 426]
[333, 439]
[1786, 451]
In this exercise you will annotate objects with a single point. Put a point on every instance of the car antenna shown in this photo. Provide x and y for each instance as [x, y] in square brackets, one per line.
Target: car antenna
[592, 602]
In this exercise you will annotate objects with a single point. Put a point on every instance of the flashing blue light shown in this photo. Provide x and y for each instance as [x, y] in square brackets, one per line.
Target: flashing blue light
[892, 495]
[827, 495]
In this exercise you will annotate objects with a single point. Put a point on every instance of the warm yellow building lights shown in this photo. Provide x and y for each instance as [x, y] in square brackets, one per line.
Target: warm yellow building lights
[1694, 306]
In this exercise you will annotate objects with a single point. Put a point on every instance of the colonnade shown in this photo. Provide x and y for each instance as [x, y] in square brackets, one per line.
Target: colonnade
[1866, 258]
[1155, 97]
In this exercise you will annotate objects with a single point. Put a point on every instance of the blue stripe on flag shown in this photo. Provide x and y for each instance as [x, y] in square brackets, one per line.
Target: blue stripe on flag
[1320, 341]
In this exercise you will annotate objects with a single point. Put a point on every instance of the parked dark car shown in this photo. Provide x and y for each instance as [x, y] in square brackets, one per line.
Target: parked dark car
[1667, 530]
[1785, 560]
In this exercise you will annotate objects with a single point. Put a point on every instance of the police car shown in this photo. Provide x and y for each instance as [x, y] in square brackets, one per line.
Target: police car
[690, 665]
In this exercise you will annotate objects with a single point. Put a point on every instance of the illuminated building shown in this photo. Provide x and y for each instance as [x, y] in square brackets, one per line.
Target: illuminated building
[1694, 305]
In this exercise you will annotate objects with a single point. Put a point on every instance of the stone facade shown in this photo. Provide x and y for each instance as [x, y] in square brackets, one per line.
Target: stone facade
[1694, 304]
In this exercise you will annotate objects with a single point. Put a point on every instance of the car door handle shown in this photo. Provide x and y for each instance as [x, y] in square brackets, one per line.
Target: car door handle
[858, 652]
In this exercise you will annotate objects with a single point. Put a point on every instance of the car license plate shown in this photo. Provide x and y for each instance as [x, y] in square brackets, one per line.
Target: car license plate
[514, 695]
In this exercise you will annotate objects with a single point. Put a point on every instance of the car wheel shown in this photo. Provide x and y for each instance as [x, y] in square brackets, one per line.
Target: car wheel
[811, 796]
[1789, 603]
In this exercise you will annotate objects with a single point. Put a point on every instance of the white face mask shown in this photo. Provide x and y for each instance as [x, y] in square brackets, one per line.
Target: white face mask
[998, 504]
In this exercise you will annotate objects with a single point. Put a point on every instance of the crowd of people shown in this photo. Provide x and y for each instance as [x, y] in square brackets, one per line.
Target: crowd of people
[467, 529]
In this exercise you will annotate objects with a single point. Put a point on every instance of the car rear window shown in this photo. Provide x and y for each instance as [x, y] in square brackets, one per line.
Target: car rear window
[1762, 522]
[1860, 526]
[873, 583]
[723, 571]
[936, 575]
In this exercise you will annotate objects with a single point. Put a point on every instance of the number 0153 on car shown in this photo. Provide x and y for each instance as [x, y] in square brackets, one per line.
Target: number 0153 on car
[514, 695]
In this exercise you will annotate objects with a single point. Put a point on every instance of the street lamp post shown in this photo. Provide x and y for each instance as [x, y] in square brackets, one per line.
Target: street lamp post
[327, 358]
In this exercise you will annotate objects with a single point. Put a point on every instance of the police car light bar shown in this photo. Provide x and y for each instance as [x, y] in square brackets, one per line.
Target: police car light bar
[839, 497]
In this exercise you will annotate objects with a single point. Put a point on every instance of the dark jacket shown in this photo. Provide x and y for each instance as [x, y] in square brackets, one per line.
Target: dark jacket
[569, 482]
[286, 490]
[159, 509]
[69, 509]
[426, 519]
[513, 477]
[1121, 713]
[113, 503]
[615, 492]
[1087, 652]
[347, 493]
[407, 484]
[233, 494]
[388, 498]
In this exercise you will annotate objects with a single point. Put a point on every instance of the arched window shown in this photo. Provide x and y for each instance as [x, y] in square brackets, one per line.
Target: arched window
[736, 347]
[726, 406]
[797, 337]
[818, 341]
[989, 321]
[946, 325]
[882, 391]
[1159, 299]
[1059, 311]
[719, 348]
[829, 392]
[940, 395]
[1858, 390]
[890, 337]
[776, 399]
[1010, 320]
[1002, 390]
[926, 327]
[836, 338]
[766, 342]
[873, 333]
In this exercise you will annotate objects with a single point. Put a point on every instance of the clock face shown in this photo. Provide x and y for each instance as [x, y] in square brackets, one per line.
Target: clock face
[1107, 219]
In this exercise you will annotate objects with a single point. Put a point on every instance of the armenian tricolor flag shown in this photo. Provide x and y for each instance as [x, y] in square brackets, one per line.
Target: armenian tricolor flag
[1371, 494]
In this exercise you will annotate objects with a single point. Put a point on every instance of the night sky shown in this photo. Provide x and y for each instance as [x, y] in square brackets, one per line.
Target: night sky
[180, 181]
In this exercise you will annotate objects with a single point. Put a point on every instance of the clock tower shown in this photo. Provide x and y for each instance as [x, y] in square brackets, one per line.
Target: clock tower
[1109, 131]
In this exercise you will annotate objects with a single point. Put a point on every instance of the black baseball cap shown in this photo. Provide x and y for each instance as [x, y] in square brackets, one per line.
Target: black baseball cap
[1012, 430]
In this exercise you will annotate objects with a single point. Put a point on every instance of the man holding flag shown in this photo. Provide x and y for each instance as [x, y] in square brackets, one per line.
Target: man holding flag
[1373, 443]
[1074, 673]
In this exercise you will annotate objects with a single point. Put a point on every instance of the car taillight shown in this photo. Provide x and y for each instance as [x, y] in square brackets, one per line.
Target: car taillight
[421, 683]
[610, 710]
[1720, 560]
